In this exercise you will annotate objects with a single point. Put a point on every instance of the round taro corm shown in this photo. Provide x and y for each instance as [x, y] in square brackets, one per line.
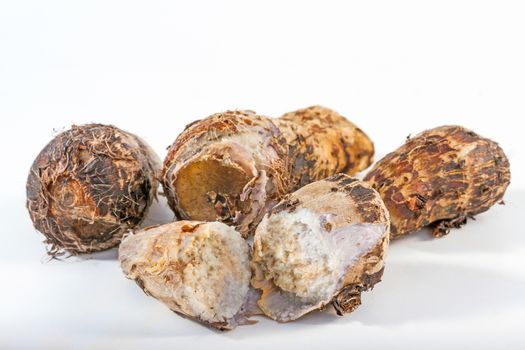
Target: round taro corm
[88, 186]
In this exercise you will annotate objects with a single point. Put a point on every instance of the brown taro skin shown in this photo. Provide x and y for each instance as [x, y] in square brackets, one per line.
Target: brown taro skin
[229, 167]
[323, 143]
[88, 186]
[439, 178]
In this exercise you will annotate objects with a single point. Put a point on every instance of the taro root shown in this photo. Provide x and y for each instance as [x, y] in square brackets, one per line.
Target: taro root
[324, 243]
[88, 186]
[199, 270]
[228, 167]
[323, 143]
[439, 178]
[234, 166]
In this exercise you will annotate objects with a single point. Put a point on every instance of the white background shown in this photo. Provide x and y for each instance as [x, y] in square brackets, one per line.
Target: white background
[393, 67]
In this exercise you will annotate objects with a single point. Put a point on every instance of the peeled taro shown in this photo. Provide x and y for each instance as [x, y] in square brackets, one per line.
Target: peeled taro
[324, 243]
[199, 270]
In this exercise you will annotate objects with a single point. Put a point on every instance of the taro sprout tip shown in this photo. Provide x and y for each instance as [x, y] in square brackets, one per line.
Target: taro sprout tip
[88, 186]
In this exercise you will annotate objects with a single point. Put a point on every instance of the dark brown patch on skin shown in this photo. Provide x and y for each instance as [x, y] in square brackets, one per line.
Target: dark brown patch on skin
[88, 186]
[366, 197]
[452, 173]
[337, 177]
[341, 179]
[361, 194]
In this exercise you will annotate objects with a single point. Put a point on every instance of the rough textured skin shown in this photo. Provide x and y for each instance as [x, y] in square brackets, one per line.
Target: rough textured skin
[439, 178]
[345, 202]
[239, 160]
[323, 143]
[88, 186]
[234, 166]
[199, 270]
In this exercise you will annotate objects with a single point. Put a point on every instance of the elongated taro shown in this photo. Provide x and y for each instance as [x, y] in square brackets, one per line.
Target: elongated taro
[439, 178]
